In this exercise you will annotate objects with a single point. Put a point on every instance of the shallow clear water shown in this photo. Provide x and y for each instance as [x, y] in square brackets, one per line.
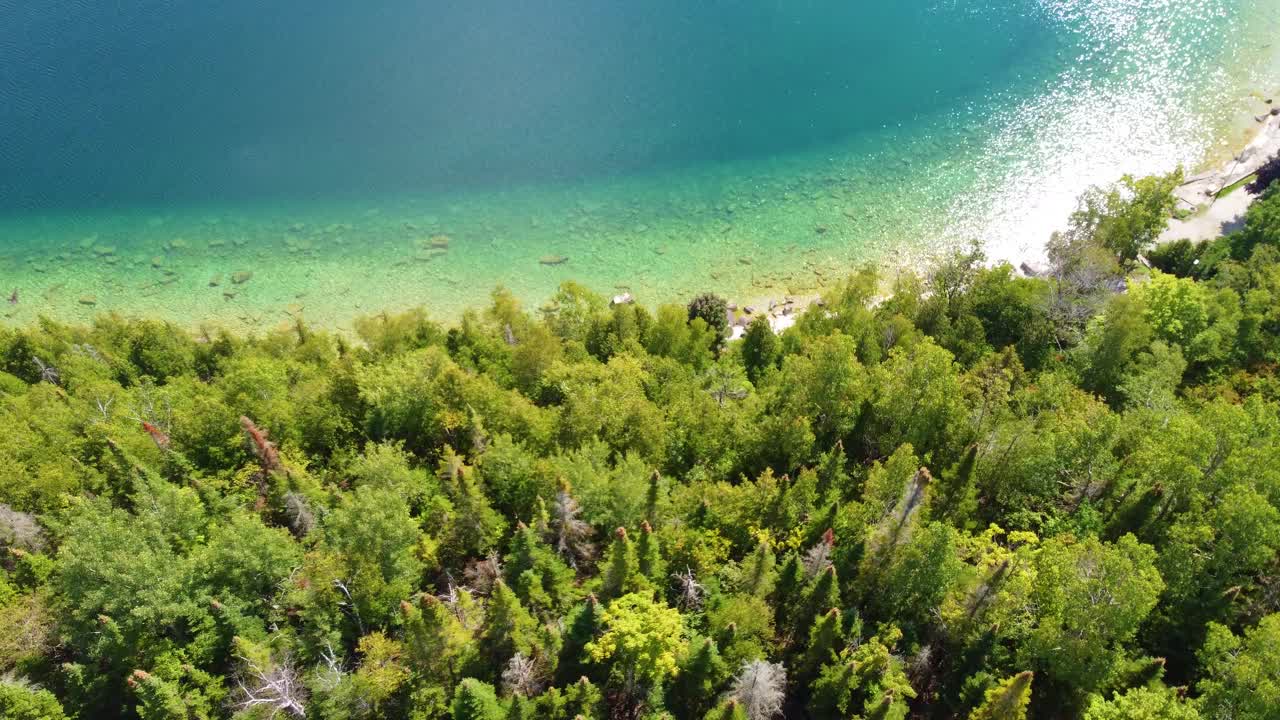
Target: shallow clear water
[149, 152]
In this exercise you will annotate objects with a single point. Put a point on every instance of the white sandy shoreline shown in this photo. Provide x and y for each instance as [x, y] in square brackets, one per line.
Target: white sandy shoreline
[1212, 216]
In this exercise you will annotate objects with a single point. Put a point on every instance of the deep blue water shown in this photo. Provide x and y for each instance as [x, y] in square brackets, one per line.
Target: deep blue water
[112, 103]
[152, 149]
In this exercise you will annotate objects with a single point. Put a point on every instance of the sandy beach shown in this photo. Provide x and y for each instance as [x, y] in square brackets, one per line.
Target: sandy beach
[1211, 215]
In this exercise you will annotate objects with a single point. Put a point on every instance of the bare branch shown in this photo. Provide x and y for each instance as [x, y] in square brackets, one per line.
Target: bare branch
[278, 689]
[760, 688]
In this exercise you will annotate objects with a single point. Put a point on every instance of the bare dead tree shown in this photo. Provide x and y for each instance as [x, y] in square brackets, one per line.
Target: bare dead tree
[482, 575]
[298, 511]
[48, 373]
[523, 676]
[277, 689]
[760, 688]
[571, 534]
[349, 603]
[818, 557]
[689, 590]
[458, 601]
[20, 531]
[333, 670]
[104, 407]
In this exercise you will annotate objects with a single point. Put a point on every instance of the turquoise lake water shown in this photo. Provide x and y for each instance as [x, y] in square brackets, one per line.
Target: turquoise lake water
[242, 163]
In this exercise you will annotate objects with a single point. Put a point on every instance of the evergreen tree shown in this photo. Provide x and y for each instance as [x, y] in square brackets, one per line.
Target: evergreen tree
[821, 524]
[823, 594]
[508, 628]
[158, 699]
[826, 637]
[437, 643]
[583, 699]
[833, 479]
[22, 702]
[862, 678]
[536, 572]
[1007, 700]
[954, 497]
[648, 559]
[729, 709]
[477, 526]
[1145, 703]
[883, 708]
[788, 591]
[761, 349]
[758, 578]
[622, 572]
[694, 688]
[582, 626]
[475, 700]
[519, 708]
[655, 498]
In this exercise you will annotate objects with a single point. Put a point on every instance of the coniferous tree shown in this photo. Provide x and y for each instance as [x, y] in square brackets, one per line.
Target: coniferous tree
[1007, 700]
[760, 689]
[758, 577]
[581, 627]
[833, 479]
[158, 699]
[883, 708]
[760, 349]
[622, 573]
[861, 678]
[821, 524]
[826, 637]
[475, 700]
[655, 498]
[536, 572]
[788, 591]
[701, 672]
[954, 498]
[730, 709]
[436, 641]
[508, 628]
[822, 595]
[570, 535]
[648, 558]
[477, 526]
[584, 700]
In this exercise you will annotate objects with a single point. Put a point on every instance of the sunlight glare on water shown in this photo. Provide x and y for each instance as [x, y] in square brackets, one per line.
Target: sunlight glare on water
[1155, 84]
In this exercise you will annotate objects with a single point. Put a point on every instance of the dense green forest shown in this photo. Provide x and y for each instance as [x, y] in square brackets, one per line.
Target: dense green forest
[964, 494]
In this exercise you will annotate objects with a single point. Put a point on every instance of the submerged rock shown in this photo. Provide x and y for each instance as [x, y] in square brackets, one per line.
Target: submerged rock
[89, 300]
[241, 277]
[553, 259]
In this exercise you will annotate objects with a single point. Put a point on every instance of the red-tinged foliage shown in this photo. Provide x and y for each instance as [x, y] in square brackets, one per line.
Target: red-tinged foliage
[161, 439]
[262, 447]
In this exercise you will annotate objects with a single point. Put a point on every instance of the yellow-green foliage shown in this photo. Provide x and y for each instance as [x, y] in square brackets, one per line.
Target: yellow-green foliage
[642, 636]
